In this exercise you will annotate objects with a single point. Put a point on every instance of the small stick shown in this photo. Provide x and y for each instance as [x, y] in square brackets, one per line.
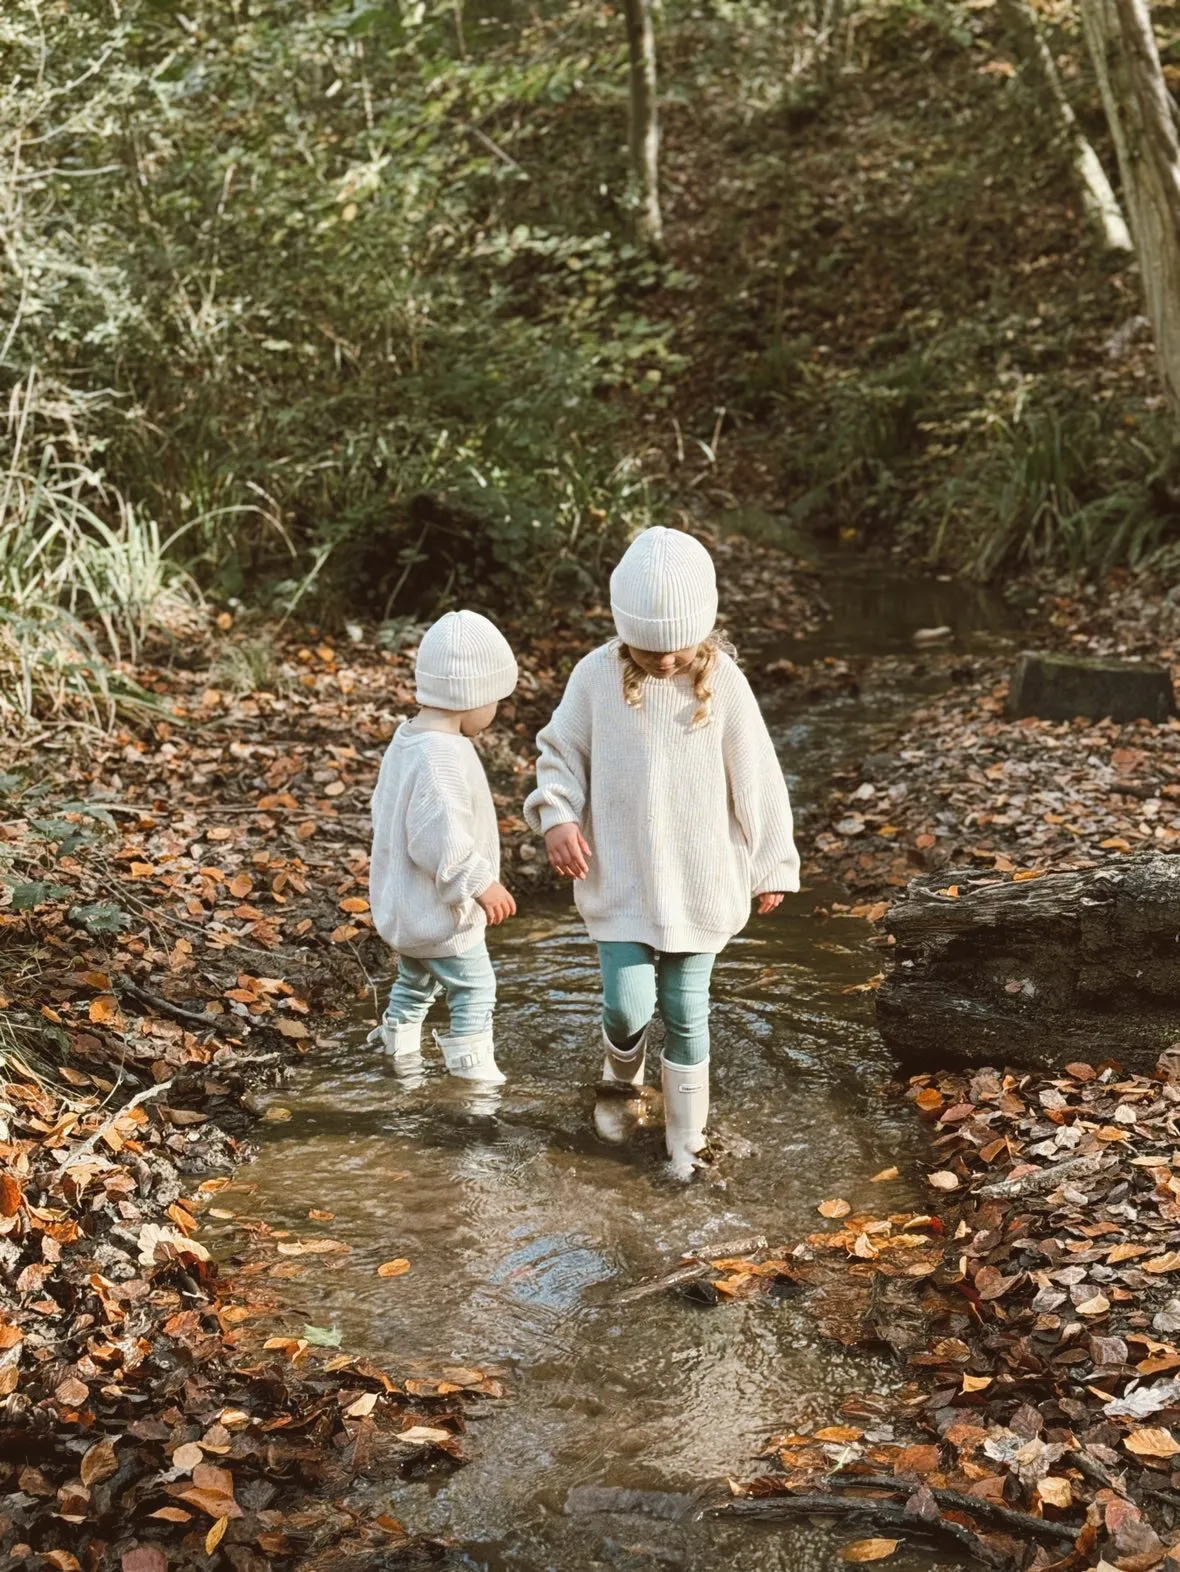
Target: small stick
[92, 1141]
[1034, 1527]
[1042, 1178]
[699, 1266]
[156, 1001]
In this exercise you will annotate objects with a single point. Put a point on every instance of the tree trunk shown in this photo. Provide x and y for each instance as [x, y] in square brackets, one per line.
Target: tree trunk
[1097, 192]
[1070, 966]
[644, 122]
[1135, 97]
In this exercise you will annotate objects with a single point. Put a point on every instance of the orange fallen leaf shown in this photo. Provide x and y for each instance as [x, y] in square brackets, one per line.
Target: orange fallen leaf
[884, 1176]
[240, 885]
[394, 1268]
[104, 1011]
[354, 903]
[11, 1196]
[869, 1549]
[1152, 1443]
[215, 1535]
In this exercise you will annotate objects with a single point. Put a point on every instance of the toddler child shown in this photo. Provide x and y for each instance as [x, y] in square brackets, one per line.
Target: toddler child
[659, 792]
[434, 879]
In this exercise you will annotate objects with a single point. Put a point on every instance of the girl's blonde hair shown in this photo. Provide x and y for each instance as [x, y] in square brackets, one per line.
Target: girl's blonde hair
[701, 669]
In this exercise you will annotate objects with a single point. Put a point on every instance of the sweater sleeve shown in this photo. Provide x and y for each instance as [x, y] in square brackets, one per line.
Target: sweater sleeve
[758, 792]
[563, 769]
[440, 838]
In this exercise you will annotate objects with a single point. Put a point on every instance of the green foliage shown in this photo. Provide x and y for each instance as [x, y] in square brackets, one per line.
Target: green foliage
[290, 272]
[100, 918]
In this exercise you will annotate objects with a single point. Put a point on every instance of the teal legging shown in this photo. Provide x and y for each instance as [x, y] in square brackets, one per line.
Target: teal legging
[635, 978]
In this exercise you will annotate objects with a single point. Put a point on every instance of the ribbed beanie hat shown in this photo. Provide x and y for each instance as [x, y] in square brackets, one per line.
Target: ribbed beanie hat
[464, 662]
[664, 592]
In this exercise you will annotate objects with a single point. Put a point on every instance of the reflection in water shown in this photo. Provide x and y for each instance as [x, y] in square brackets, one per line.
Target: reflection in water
[521, 1225]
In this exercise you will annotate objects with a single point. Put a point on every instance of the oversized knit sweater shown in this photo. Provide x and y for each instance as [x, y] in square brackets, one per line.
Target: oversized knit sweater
[685, 822]
[436, 844]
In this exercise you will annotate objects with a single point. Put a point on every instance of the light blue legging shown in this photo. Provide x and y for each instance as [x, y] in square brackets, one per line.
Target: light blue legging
[468, 981]
[635, 978]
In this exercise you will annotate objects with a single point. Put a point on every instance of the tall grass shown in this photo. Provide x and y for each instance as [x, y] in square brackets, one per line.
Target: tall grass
[85, 580]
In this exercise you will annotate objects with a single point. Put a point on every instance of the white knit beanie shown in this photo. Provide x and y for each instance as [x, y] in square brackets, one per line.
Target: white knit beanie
[664, 592]
[464, 662]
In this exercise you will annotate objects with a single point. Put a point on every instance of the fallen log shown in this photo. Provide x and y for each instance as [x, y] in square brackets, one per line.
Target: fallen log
[1082, 965]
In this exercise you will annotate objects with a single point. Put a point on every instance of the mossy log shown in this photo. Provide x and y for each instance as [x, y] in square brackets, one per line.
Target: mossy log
[1081, 965]
[1062, 687]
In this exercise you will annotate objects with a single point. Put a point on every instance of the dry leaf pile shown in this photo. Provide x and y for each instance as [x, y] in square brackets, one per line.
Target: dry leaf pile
[1040, 1427]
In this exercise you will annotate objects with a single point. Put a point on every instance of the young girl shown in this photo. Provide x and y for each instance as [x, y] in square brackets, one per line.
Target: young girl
[659, 792]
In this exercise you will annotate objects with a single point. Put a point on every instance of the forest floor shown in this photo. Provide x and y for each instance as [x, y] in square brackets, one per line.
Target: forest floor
[961, 785]
[188, 917]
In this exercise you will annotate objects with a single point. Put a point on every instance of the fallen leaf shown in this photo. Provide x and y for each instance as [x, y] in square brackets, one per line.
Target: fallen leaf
[1152, 1443]
[99, 1463]
[943, 1180]
[884, 1176]
[869, 1549]
[215, 1535]
[834, 1208]
[364, 1405]
[187, 1456]
[104, 1011]
[1055, 1491]
[393, 1268]
[144, 1558]
[354, 904]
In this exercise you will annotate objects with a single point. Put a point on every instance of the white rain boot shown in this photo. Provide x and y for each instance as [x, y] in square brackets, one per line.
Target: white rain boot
[471, 1058]
[402, 1041]
[624, 1067]
[686, 1113]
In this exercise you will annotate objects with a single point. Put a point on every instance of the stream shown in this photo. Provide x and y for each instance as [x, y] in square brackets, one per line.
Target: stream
[521, 1225]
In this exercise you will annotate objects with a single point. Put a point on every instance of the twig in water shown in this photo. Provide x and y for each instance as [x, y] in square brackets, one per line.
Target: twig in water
[873, 1509]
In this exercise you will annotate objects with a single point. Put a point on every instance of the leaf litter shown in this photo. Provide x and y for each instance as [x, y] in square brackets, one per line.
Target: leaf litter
[1038, 1323]
[183, 913]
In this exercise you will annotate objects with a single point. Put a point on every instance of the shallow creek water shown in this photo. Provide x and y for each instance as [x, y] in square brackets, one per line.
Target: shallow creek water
[521, 1224]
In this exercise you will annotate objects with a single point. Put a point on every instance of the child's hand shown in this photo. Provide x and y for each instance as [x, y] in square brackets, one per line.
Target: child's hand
[569, 851]
[769, 902]
[497, 904]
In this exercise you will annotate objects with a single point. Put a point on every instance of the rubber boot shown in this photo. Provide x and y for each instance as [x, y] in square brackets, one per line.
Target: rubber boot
[620, 1089]
[402, 1041]
[624, 1067]
[686, 1113]
[471, 1058]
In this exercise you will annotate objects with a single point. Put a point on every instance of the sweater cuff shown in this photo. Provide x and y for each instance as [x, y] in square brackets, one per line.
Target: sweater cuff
[784, 877]
[549, 815]
[476, 877]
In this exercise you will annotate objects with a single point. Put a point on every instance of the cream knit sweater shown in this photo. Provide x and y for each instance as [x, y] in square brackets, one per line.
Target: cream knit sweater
[685, 822]
[436, 844]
